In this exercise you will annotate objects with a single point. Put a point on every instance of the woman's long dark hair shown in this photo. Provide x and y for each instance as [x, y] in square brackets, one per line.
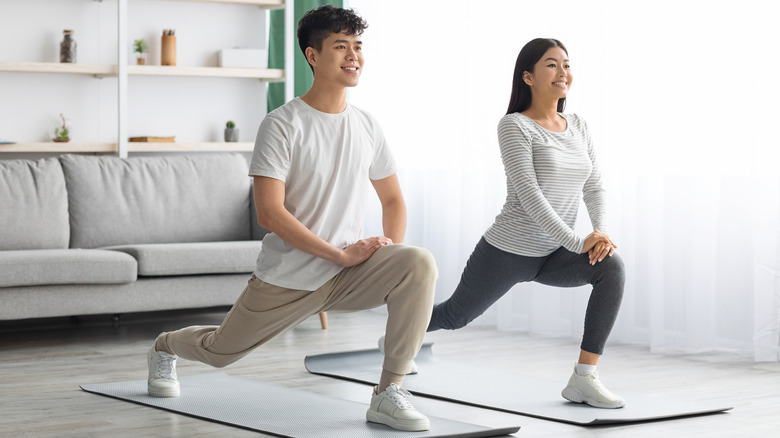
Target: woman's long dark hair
[531, 53]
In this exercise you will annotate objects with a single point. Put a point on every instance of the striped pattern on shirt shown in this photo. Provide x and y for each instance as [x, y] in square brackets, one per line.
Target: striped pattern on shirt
[547, 175]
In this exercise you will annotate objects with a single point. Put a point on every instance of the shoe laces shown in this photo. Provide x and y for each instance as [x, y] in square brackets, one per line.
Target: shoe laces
[399, 396]
[165, 364]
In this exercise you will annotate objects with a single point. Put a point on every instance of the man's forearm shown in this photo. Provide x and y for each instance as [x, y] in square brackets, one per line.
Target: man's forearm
[394, 221]
[292, 231]
[273, 216]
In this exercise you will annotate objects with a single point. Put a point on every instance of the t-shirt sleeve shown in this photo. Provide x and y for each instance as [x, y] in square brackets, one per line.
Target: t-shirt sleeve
[515, 143]
[383, 164]
[272, 153]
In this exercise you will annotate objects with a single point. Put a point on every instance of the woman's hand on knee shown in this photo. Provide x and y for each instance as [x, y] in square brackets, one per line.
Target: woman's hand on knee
[600, 251]
[598, 245]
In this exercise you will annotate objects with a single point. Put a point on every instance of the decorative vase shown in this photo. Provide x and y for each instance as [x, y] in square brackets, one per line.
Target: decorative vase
[168, 49]
[231, 135]
[68, 47]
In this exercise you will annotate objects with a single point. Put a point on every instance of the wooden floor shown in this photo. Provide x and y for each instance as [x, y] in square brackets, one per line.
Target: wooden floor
[43, 364]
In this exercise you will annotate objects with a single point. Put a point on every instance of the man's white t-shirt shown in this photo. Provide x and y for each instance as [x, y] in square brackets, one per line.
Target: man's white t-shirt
[325, 161]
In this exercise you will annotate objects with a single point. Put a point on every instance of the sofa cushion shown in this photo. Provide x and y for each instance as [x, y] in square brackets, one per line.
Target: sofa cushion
[139, 200]
[33, 205]
[193, 258]
[65, 266]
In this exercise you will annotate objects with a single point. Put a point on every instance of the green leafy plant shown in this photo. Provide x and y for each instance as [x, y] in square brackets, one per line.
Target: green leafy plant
[140, 46]
[230, 124]
[61, 132]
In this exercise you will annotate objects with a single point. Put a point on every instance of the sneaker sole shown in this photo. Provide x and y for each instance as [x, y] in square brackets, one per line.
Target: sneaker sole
[163, 392]
[575, 396]
[408, 426]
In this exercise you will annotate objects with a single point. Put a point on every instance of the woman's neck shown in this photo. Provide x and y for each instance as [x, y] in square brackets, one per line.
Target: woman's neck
[542, 110]
[546, 115]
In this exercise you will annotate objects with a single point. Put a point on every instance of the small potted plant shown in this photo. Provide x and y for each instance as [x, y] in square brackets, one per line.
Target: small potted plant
[62, 131]
[140, 48]
[231, 132]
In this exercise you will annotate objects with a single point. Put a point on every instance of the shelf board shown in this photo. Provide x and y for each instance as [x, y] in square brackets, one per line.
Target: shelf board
[98, 70]
[58, 147]
[267, 74]
[72, 147]
[190, 147]
[57, 67]
[265, 4]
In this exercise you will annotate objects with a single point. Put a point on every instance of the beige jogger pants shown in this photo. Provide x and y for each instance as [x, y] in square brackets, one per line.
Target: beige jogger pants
[400, 276]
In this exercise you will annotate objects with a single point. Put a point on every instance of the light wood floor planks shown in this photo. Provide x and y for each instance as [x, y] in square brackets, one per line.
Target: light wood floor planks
[43, 364]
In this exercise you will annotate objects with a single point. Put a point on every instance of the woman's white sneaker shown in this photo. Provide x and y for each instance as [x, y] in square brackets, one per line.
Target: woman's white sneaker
[589, 389]
[162, 381]
[391, 407]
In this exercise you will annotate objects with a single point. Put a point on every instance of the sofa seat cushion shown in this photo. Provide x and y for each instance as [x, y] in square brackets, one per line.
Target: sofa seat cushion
[161, 259]
[65, 266]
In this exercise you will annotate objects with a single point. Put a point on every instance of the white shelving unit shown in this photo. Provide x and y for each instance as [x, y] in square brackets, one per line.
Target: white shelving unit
[122, 71]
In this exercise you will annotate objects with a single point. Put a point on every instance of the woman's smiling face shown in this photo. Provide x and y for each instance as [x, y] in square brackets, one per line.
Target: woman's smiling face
[552, 75]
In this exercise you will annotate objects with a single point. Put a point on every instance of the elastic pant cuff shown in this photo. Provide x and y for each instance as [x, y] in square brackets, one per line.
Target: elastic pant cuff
[161, 343]
[595, 349]
[401, 367]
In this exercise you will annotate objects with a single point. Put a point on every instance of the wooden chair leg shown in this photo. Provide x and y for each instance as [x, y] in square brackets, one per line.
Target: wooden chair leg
[324, 320]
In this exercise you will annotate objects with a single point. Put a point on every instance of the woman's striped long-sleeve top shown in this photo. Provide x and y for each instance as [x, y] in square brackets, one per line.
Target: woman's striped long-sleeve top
[547, 175]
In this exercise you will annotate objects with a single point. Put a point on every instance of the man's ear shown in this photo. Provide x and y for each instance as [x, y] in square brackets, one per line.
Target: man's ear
[311, 56]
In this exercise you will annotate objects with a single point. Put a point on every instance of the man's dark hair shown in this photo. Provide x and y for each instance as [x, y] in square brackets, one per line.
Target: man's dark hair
[317, 24]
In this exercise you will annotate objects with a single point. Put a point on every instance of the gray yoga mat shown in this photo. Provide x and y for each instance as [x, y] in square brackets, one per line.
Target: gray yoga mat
[514, 393]
[277, 410]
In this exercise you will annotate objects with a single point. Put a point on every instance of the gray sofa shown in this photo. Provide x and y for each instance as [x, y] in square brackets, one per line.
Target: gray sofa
[84, 235]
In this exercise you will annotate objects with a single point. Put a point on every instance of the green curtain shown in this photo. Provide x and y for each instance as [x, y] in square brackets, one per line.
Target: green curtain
[303, 76]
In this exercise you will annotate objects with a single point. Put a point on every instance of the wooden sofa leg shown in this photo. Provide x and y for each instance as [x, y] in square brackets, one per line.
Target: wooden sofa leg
[324, 320]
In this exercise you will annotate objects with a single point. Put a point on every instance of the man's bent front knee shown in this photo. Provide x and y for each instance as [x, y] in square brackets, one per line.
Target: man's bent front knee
[416, 260]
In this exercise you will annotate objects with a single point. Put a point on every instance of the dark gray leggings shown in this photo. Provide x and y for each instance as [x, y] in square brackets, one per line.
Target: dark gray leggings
[491, 272]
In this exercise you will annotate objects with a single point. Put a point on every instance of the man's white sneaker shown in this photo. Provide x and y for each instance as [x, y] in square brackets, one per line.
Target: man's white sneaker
[162, 380]
[381, 344]
[589, 389]
[391, 407]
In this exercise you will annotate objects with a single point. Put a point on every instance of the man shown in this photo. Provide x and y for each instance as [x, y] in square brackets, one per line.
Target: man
[312, 159]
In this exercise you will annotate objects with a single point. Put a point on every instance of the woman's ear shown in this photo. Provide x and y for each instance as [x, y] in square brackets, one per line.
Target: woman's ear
[528, 78]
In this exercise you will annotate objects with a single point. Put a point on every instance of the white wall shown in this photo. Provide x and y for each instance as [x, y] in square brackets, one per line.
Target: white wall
[192, 109]
[681, 99]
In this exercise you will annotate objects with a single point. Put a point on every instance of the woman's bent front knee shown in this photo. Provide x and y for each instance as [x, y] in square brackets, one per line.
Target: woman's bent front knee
[615, 268]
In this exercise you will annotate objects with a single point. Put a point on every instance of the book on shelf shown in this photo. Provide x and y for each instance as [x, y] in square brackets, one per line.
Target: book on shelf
[152, 139]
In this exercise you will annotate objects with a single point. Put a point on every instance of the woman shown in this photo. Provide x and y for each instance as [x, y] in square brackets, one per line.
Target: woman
[550, 165]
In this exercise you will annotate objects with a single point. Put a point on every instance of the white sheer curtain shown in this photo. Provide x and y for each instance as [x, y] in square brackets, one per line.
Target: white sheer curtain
[681, 98]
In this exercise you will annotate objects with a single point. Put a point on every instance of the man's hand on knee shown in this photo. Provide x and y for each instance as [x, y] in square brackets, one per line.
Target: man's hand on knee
[361, 250]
